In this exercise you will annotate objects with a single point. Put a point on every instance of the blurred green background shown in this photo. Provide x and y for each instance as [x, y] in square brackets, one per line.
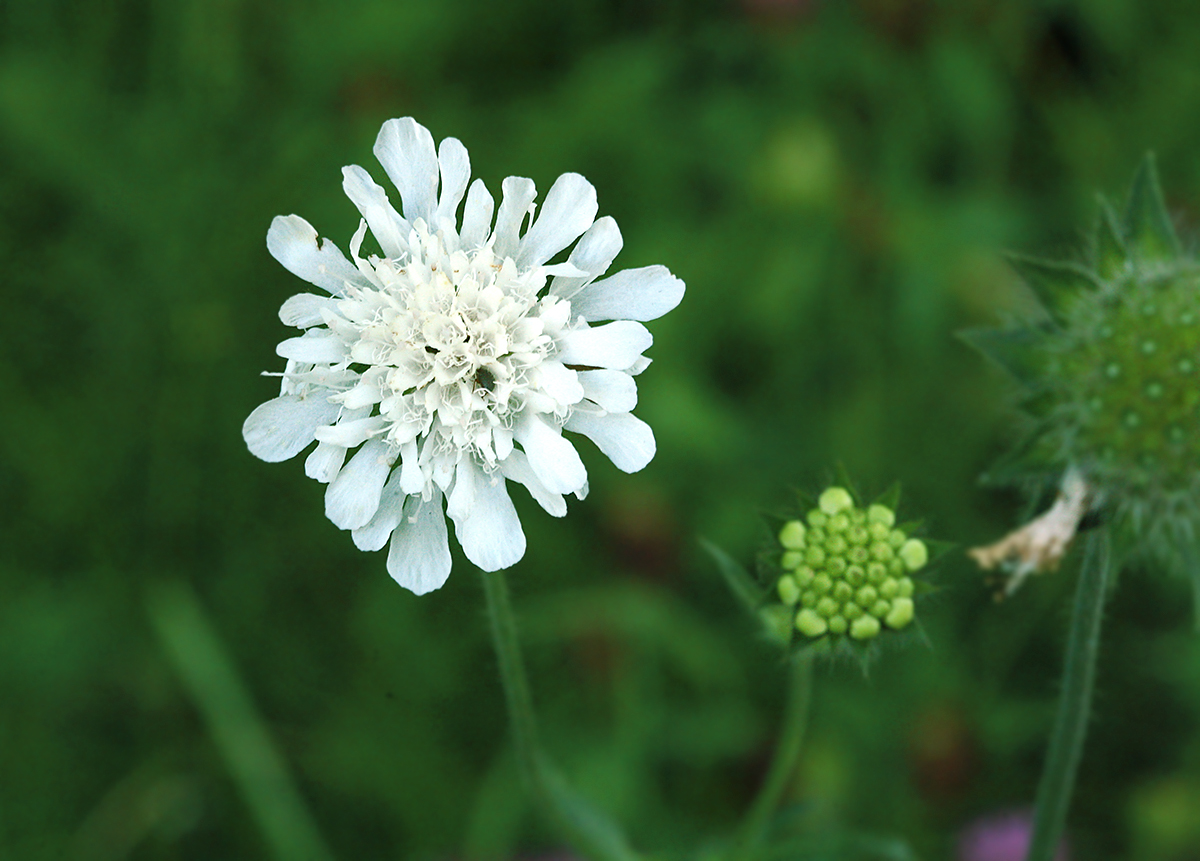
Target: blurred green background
[835, 181]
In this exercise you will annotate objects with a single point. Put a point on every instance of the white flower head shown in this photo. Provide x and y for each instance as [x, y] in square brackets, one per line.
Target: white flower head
[452, 362]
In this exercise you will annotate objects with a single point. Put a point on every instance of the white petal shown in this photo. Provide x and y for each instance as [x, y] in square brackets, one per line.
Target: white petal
[305, 310]
[352, 432]
[626, 439]
[387, 226]
[477, 216]
[613, 345]
[559, 382]
[419, 558]
[281, 428]
[405, 149]
[593, 254]
[456, 173]
[516, 466]
[569, 210]
[632, 294]
[324, 462]
[553, 459]
[412, 480]
[467, 478]
[293, 242]
[319, 348]
[515, 205]
[353, 496]
[614, 390]
[490, 534]
[386, 518]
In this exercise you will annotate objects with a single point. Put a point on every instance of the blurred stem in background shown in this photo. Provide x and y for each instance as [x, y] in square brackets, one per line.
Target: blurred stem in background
[586, 829]
[783, 761]
[241, 735]
[1074, 707]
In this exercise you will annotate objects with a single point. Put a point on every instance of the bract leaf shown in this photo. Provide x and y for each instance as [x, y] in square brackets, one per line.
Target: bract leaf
[1148, 226]
[1055, 283]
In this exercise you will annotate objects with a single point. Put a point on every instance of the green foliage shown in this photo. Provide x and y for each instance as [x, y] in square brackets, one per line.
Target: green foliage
[832, 181]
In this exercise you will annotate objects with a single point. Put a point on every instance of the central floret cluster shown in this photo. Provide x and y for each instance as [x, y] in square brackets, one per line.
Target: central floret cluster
[455, 348]
[847, 569]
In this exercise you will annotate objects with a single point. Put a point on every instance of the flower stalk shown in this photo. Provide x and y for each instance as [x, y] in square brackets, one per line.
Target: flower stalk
[1074, 707]
[587, 830]
[783, 761]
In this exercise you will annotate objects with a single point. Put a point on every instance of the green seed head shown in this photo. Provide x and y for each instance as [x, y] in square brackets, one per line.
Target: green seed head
[1113, 369]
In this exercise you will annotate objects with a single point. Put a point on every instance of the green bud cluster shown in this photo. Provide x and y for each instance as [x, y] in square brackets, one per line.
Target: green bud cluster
[847, 569]
[1113, 371]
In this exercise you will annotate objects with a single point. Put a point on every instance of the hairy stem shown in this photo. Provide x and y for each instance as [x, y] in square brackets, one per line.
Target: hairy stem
[1074, 706]
[587, 830]
[783, 761]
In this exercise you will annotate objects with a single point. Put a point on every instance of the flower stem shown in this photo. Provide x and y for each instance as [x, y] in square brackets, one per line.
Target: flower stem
[588, 831]
[1070, 725]
[783, 761]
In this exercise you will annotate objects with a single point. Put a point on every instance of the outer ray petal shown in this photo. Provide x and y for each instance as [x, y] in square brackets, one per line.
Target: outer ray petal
[490, 534]
[419, 558]
[405, 149]
[625, 439]
[281, 428]
[293, 242]
[569, 210]
[353, 497]
[633, 294]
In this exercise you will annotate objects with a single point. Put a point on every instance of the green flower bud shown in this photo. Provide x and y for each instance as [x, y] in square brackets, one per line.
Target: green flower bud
[889, 588]
[895, 567]
[881, 608]
[842, 591]
[817, 535]
[905, 587]
[896, 538]
[840, 522]
[838, 625]
[792, 559]
[914, 554]
[804, 576]
[814, 556]
[789, 590]
[809, 598]
[791, 536]
[855, 575]
[858, 555]
[817, 519]
[827, 607]
[878, 531]
[864, 628]
[835, 499]
[851, 610]
[836, 545]
[881, 514]
[837, 566]
[821, 584]
[901, 613]
[858, 535]
[882, 551]
[876, 572]
[866, 596]
[810, 624]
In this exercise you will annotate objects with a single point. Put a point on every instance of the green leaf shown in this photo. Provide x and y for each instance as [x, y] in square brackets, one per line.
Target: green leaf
[1147, 224]
[1055, 283]
[890, 497]
[1112, 256]
[1015, 350]
[737, 578]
